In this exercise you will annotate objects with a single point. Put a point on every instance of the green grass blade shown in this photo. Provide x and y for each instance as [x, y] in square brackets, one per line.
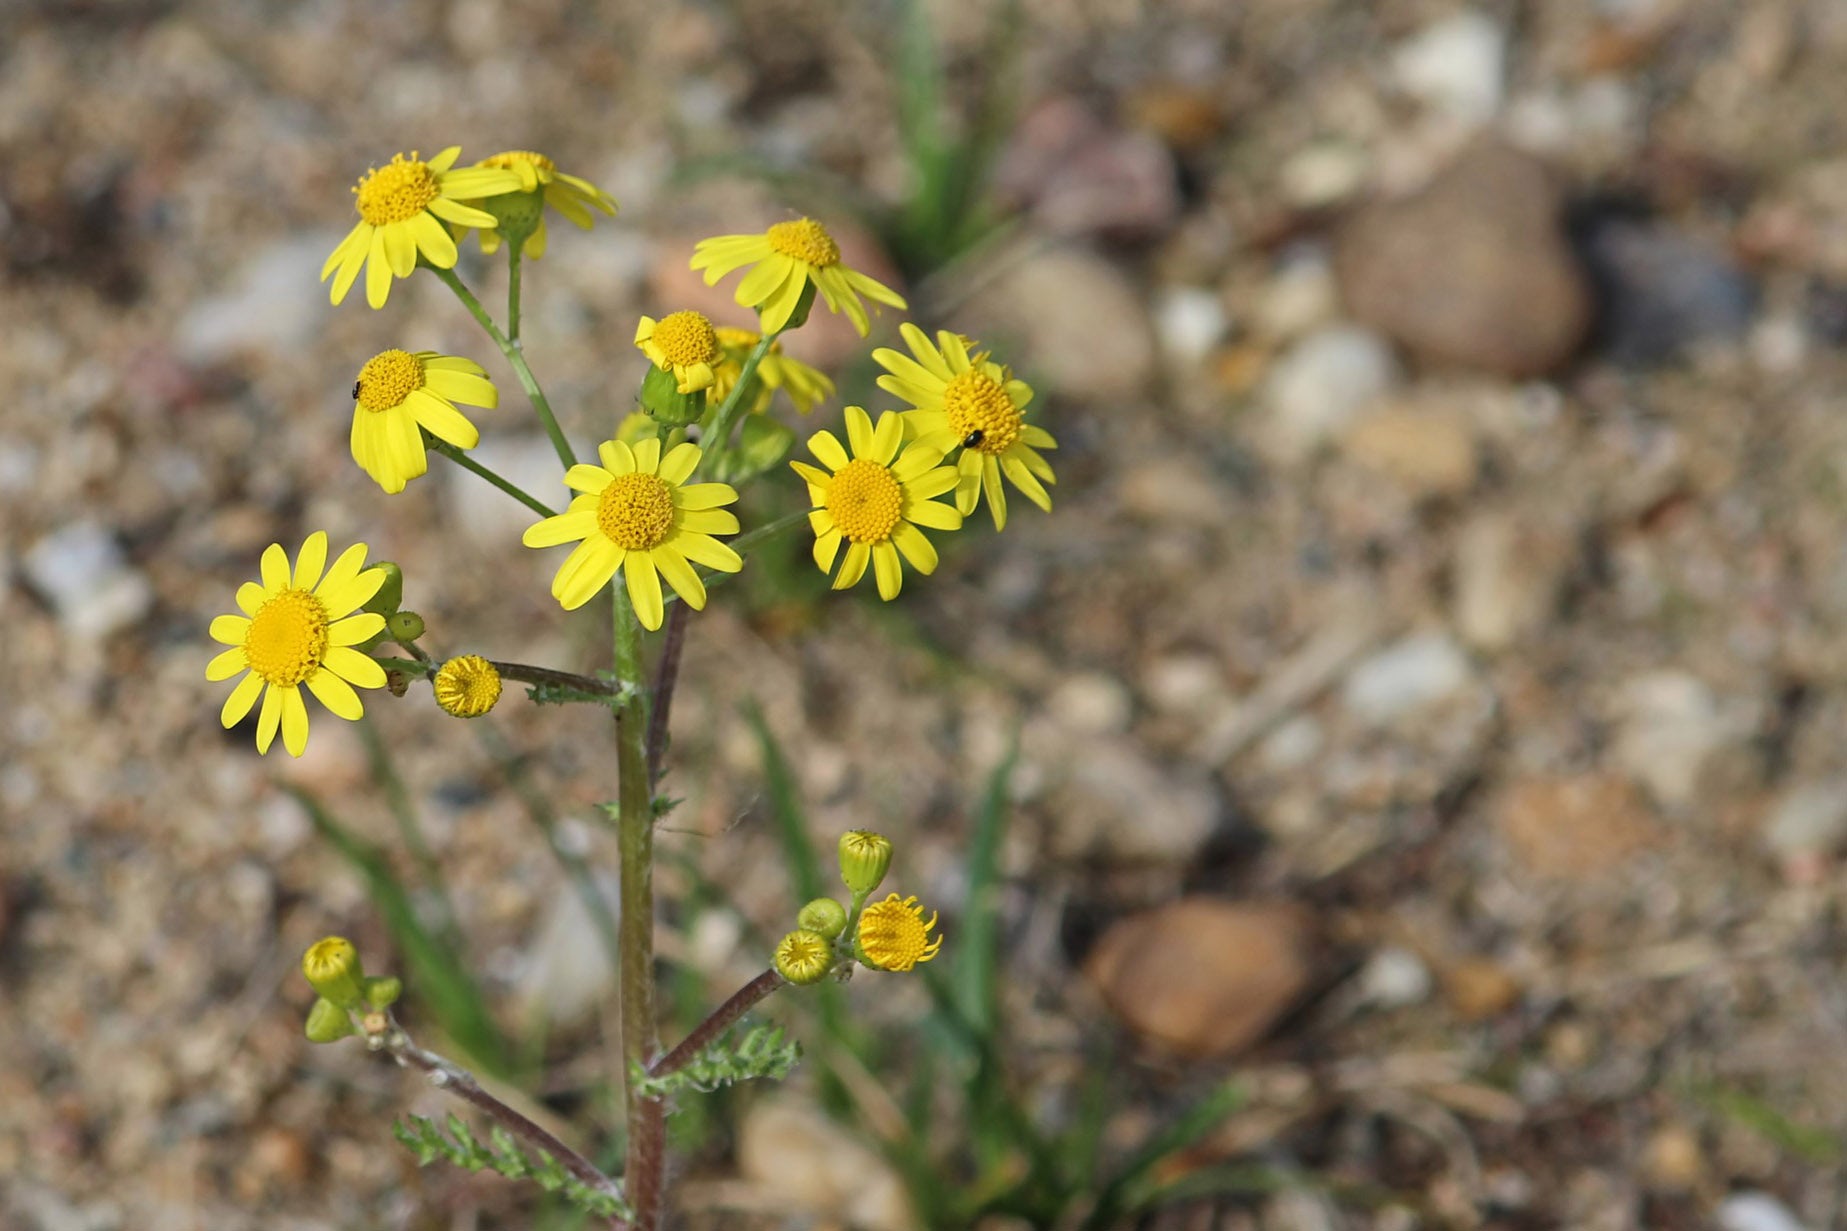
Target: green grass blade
[434, 973]
[798, 849]
[977, 945]
[1194, 1123]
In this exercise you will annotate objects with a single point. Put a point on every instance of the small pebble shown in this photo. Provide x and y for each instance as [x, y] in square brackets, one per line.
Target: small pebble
[1455, 66]
[1417, 671]
[1395, 978]
[1318, 387]
[1756, 1211]
[84, 575]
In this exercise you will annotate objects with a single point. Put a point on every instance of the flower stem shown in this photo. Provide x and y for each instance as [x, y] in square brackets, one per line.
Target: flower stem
[647, 1117]
[525, 673]
[718, 441]
[447, 1075]
[717, 1022]
[513, 271]
[666, 675]
[473, 467]
[517, 358]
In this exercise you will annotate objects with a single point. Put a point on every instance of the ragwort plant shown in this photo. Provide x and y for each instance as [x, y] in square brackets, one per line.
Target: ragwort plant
[650, 522]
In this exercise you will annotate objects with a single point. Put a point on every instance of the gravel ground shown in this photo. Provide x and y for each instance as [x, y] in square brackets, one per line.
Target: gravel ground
[1435, 655]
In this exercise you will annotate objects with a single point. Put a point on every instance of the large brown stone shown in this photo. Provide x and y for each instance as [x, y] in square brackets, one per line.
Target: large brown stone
[1203, 977]
[1474, 270]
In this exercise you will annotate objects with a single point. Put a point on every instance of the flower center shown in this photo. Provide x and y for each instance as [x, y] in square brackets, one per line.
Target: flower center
[508, 160]
[287, 638]
[865, 501]
[976, 402]
[894, 934]
[804, 240]
[686, 338]
[467, 686]
[388, 378]
[635, 511]
[397, 191]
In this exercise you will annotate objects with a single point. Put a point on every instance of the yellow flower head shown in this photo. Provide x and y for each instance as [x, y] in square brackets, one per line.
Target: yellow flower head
[969, 402]
[569, 195]
[807, 387]
[788, 257]
[803, 956]
[402, 207]
[299, 629]
[636, 514]
[399, 391]
[874, 503]
[894, 935]
[468, 686]
[683, 343]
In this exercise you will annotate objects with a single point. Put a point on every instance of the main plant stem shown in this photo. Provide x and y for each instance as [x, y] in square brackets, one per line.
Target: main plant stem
[647, 1117]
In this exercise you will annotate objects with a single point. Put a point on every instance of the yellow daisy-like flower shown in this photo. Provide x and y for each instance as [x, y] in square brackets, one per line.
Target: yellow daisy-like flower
[874, 503]
[636, 514]
[807, 387]
[788, 257]
[568, 194]
[400, 391]
[299, 629]
[683, 343]
[894, 935]
[402, 207]
[467, 687]
[970, 402]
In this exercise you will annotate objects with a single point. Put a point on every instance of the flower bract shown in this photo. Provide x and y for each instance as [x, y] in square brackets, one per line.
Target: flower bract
[299, 628]
[807, 387]
[402, 207]
[400, 391]
[786, 259]
[969, 402]
[637, 513]
[570, 195]
[683, 343]
[894, 935]
[875, 500]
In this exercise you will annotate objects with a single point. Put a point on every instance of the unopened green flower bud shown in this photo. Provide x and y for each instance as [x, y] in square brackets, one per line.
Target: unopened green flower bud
[864, 859]
[823, 915]
[332, 967]
[328, 1022]
[804, 957]
[661, 397]
[389, 595]
[404, 625]
[382, 991]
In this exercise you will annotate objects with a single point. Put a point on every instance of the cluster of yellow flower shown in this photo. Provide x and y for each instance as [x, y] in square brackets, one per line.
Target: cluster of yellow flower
[889, 935]
[636, 512]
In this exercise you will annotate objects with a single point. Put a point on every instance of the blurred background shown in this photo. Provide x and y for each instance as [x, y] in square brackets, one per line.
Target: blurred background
[1400, 785]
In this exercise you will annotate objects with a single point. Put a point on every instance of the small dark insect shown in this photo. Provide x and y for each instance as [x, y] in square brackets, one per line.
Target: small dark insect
[973, 439]
[355, 391]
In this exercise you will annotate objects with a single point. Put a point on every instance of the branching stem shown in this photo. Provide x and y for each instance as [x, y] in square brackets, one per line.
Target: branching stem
[720, 1020]
[516, 357]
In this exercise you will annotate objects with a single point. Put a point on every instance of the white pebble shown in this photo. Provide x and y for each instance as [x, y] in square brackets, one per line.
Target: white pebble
[1418, 670]
[83, 574]
[1455, 66]
[1755, 1211]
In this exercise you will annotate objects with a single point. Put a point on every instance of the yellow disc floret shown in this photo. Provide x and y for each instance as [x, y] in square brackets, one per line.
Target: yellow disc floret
[388, 378]
[287, 638]
[635, 511]
[468, 686]
[980, 413]
[893, 934]
[865, 501]
[397, 191]
[686, 338]
[804, 240]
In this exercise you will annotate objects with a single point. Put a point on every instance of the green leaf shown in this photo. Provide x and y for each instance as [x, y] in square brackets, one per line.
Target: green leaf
[1195, 1122]
[761, 1051]
[504, 1156]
